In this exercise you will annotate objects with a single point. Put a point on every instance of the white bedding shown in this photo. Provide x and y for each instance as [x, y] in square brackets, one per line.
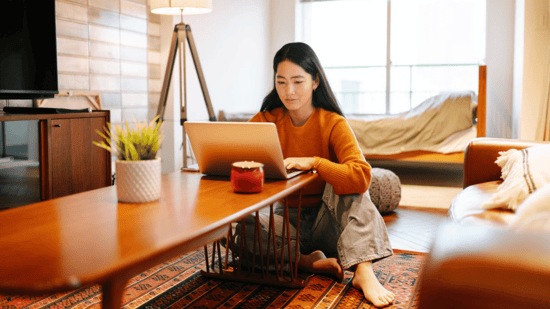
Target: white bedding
[456, 142]
[443, 123]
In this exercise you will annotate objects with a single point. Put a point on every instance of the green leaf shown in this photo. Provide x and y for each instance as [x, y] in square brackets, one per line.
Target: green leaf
[141, 143]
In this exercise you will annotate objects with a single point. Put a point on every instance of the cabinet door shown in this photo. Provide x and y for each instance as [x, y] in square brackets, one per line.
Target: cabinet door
[76, 164]
[61, 162]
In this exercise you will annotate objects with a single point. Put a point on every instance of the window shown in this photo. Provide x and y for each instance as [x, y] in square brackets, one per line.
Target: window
[387, 56]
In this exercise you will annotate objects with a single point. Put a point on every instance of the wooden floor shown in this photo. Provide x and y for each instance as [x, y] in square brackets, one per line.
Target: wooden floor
[414, 228]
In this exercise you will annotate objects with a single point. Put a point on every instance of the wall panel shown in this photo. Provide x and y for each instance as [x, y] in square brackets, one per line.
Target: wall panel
[111, 47]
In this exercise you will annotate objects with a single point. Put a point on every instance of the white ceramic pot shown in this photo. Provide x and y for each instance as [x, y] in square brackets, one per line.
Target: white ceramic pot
[138, 181]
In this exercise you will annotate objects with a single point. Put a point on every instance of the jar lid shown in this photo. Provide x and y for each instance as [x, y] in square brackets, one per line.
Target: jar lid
[247, 164]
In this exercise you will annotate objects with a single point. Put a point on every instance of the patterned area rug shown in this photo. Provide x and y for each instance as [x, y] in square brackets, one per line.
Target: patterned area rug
[178, 284]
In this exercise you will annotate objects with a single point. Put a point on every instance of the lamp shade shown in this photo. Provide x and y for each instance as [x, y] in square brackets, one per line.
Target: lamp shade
[175, 7]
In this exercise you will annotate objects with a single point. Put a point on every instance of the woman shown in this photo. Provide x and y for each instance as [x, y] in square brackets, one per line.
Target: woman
[337, 215]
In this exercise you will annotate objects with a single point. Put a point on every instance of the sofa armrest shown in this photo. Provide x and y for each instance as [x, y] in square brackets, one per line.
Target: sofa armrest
[481, 154]
[472, 266]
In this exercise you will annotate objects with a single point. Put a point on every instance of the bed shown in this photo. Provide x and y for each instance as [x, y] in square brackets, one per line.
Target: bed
[423, 134]
[429, 145]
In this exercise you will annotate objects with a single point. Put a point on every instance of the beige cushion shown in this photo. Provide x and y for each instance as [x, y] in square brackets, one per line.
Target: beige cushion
[534, 212]
[523, 172]
[466, 206]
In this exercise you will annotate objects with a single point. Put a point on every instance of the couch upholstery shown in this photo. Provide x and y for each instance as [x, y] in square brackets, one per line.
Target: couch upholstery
[480, 266]
[477, 259]
[481, 178]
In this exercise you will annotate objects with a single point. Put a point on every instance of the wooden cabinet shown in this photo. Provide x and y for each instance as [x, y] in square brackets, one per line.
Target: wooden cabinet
[69, 162]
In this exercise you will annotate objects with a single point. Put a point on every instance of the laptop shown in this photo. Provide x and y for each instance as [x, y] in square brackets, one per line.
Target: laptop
[217, 145]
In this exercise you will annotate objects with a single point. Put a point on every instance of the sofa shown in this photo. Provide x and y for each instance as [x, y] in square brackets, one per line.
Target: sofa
[490, 258]
[481, 179]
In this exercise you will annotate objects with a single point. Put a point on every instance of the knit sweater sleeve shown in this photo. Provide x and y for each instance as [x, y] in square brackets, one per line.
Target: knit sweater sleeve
[352, 173]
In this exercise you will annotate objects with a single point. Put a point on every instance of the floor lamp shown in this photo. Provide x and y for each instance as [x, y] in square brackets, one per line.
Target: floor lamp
[182, 33]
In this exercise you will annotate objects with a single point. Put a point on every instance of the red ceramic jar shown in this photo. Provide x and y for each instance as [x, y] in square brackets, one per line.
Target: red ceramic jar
[247, 176]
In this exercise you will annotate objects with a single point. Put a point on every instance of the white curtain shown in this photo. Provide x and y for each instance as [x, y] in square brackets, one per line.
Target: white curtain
[546, 132]
[543, 132]
[543, 124]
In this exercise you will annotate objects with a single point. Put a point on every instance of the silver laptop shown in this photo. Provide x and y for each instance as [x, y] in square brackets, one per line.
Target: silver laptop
[217, 145]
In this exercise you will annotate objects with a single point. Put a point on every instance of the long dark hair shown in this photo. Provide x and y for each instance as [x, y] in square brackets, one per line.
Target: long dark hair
[304, 56]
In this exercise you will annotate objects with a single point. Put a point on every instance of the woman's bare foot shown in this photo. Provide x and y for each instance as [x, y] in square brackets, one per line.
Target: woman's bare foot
[366, 281]
[318, 263]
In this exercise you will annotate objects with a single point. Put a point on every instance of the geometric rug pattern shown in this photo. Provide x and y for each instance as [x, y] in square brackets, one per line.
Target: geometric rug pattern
[177, 283]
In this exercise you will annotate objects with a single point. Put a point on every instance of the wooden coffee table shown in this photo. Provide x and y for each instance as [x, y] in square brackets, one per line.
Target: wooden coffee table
[89, 238]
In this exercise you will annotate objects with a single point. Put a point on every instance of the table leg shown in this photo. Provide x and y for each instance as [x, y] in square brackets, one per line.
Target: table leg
[112, 293]
[258, 236]
[206, 258]
[270, 233]
[241, 272]
[297, 236]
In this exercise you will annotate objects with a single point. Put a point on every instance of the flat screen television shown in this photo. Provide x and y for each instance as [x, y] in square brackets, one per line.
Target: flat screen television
[28, 49]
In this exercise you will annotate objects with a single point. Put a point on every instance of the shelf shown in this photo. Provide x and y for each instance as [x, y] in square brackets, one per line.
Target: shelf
[22, 117]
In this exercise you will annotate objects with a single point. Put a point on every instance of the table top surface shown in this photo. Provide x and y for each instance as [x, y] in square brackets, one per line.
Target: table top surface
[87, 237]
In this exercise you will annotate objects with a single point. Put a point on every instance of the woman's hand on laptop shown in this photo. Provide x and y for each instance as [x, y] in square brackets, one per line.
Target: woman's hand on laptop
[301, 163]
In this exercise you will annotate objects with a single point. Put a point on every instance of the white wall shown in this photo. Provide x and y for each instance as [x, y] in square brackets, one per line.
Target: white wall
[499, 58]
[283, 25]
[533, 55]
[518, 67]
[233, 47]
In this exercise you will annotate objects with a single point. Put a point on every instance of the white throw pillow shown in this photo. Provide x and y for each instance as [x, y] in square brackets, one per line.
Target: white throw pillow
[534, 212]
[523, 172]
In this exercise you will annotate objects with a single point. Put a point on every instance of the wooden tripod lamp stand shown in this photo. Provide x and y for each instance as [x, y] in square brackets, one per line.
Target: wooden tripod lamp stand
[182, 33]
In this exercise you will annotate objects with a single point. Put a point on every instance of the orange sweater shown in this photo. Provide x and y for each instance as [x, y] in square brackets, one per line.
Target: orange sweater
[328, 136]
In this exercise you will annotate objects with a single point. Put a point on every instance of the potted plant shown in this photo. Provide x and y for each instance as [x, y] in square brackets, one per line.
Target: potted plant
[138, 170]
